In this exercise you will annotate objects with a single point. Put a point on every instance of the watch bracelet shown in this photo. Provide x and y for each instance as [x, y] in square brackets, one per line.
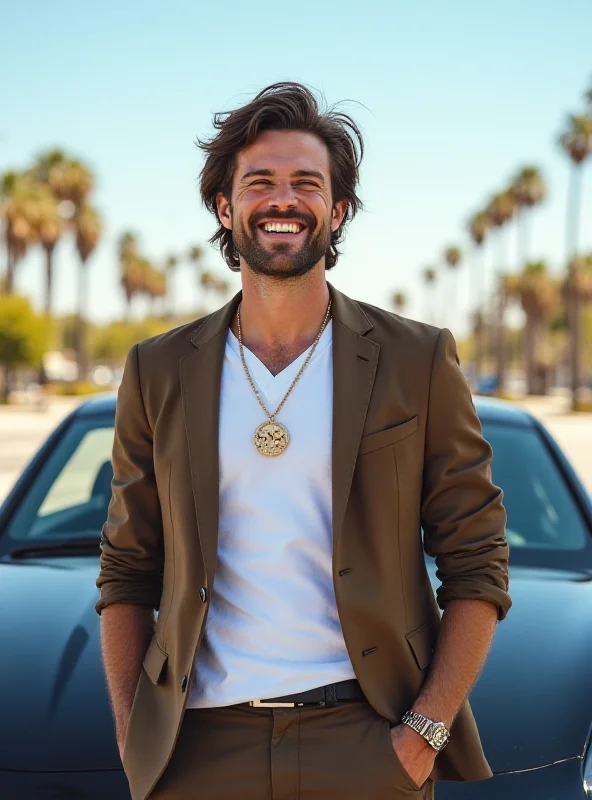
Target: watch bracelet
[422, 725]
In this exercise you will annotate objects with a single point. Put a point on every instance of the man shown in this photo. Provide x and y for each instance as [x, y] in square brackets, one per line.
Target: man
[274, 466]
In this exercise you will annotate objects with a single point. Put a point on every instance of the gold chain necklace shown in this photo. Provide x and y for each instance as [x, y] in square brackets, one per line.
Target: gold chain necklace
[271, 438]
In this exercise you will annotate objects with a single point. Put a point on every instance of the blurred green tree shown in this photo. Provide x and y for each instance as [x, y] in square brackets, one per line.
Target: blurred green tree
[111, 344]
[24, 337]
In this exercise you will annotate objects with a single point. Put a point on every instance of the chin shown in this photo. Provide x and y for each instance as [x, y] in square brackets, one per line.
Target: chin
[284, 270]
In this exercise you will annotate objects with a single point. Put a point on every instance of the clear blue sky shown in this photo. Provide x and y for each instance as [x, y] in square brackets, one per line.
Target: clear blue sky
[454, 97]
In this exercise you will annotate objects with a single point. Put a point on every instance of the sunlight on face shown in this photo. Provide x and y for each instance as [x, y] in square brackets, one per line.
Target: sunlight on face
[281, 214]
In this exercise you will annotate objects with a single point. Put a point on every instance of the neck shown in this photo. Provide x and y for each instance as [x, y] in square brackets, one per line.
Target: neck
[282, 314]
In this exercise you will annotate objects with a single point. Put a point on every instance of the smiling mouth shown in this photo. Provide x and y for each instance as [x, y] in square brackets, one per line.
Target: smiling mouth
[282, 228]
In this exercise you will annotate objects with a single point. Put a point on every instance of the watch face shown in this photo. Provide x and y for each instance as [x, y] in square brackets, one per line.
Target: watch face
[439, 737]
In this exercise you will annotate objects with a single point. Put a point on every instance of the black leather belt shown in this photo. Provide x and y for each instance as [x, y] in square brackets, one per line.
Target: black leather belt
[324, 696]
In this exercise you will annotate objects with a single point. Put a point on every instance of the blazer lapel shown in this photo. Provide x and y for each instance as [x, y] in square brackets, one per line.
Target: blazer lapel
[355, 359]
[201, 374]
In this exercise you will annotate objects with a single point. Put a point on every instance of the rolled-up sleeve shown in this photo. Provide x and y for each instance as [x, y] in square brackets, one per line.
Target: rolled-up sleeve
[131, 540]
[463, 516]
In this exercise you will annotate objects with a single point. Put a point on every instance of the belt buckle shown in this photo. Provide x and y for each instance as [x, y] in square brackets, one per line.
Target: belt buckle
[262, 704]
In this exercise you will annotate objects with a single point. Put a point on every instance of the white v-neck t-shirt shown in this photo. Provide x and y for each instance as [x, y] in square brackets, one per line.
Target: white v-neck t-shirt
[272, 627]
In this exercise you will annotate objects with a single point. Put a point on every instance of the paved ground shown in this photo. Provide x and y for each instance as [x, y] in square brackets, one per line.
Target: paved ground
[23, 429]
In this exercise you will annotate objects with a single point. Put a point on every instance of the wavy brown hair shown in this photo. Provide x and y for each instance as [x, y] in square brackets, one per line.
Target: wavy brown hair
[283, 106]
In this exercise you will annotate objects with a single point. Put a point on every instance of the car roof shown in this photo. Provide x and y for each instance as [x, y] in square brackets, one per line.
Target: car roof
[488, 408]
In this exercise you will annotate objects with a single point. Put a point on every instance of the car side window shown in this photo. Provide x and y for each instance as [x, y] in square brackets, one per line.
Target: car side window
[77, 483]
[70, 496]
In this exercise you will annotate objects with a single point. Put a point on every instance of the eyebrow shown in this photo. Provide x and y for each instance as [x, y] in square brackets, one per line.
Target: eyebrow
[299, 173]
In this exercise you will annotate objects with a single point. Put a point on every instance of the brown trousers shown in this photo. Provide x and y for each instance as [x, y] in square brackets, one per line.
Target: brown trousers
[245, 753]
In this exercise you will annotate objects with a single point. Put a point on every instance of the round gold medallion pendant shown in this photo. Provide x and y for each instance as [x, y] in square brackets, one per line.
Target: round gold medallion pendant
[271, 439]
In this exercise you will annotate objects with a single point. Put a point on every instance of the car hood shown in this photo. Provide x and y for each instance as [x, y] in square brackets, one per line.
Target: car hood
[532, 702]
[55, 710]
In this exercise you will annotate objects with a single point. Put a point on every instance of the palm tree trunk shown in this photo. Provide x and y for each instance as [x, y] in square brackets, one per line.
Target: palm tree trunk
[500, 300]
[500, 342]
[169, 299]
[573, 301]
[48, 278]
[10, 268]
[479, 282]
[530, 345]
[81, 343]
[451, 305]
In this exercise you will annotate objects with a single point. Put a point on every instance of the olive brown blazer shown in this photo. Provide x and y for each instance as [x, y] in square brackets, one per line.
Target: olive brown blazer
[408, 454]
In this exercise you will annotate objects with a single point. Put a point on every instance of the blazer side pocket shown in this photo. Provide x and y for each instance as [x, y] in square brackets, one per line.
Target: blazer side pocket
[155, 662]
[419, 641]
[388, 437]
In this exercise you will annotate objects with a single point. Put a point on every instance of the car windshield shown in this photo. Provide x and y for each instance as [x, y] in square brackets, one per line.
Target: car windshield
[69, 498]
[545, 525]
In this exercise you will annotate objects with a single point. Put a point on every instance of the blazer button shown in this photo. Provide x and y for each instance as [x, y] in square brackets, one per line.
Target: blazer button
[203, 593]
[184, 683]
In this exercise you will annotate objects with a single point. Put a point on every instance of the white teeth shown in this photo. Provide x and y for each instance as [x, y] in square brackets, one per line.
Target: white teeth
[281, 227]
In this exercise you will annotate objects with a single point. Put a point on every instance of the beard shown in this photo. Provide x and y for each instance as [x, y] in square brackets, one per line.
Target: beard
[281, 261]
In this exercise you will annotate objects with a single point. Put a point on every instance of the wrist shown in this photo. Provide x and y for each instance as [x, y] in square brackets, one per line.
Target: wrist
[433, 713]
[415, 739]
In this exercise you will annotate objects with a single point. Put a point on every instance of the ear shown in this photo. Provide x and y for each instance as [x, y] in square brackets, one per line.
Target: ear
[224, 210]
[338, 213]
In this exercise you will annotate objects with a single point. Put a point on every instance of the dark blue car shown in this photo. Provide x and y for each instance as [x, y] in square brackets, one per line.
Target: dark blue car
[533, 702]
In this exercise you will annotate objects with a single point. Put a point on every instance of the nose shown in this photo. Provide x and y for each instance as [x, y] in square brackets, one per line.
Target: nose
[283, 196]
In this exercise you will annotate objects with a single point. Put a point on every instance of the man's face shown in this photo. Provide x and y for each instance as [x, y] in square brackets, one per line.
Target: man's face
[281, 211]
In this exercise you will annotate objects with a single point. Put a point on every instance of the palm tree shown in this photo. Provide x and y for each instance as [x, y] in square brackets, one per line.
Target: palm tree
[479, 226]
[155, 283]
[171, 264]
[452, 257]
[539, 296]
[429, 278]
[69, 179]
[528, 189]
[576, 141]
[19, 206]
[577, 291]
[50, 230]
[399, 302]
[500, 210]
[129, 268]
[70, 182]
[88, 227]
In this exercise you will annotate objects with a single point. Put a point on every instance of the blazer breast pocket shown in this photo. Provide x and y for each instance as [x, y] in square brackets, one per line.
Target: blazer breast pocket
[388, 437]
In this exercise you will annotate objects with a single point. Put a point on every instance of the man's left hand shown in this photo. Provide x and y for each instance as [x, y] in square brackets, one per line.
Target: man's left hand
[414, 753]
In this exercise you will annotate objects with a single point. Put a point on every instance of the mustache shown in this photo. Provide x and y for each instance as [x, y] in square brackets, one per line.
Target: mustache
[306, 219]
